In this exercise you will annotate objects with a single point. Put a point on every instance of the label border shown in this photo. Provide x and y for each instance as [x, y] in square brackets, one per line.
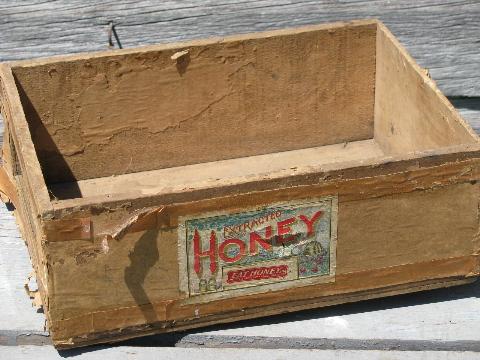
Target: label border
[251, 290]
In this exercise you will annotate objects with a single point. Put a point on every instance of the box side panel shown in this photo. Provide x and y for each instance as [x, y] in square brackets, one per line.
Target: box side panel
[136, 281]
[202, 102]
[23, 170]
[20, 145]
[411, 114]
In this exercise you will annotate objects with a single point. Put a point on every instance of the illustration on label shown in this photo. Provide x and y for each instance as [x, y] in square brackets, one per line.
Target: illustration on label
[282, 243]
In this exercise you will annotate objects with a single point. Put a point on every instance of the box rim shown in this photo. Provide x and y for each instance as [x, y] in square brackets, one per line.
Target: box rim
[375, 167]
[49, 207]
[181, 45]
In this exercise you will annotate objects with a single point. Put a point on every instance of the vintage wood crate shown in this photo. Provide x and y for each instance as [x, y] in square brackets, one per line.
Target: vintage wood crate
[176, 186]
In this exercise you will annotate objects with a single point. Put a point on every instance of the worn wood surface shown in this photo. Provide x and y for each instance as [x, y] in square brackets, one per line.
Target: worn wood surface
[439, 320]
[48, 353]
[441, 35]
[436, 320]
[318, 83]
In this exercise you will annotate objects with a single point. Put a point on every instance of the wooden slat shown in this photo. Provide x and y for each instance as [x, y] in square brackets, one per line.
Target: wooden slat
[441, 35]
[328, 352]
[17, 311]
[469, 108]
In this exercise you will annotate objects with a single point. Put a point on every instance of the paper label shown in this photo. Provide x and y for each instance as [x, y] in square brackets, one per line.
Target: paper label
[258, 249]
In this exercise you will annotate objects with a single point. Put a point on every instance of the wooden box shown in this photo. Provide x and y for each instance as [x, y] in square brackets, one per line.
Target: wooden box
[176, 186]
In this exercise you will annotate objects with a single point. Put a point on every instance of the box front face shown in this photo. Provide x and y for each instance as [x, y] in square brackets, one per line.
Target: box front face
[203, 264]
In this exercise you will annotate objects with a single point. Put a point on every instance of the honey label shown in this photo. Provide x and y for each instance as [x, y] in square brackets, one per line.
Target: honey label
[267, 248]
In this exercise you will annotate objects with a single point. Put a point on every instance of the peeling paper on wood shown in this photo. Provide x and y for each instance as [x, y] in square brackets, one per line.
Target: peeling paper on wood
[268, 248]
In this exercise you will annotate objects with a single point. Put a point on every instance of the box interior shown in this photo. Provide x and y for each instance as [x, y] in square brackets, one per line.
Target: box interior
[183, 116]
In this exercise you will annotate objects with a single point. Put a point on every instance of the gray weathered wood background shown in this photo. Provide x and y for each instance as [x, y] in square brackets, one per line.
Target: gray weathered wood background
[444, 36]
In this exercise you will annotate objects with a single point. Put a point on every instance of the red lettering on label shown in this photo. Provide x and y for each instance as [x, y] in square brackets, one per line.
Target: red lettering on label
[229, 242]
[257, 273]
[284, 229]
[255, 238]
[284, 234]
[310, 222]
[198, 254]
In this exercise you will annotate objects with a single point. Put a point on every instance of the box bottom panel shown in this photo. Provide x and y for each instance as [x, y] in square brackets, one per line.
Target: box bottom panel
[217, 173]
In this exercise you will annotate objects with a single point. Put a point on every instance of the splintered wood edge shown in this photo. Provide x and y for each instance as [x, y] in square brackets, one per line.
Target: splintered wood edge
[428, 178]
[24, 144]
[426, 79]
[356, 170]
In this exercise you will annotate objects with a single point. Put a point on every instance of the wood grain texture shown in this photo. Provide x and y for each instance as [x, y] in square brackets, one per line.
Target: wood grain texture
[17, 311]
[446, 335]
[419, 320]
[148, 353]
[140, 111]
[469, 109]
[440, 319]
[410, 113]
[229, 171]
[441, 35]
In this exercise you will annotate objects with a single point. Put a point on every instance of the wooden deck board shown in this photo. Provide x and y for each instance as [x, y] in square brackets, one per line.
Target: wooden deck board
[441, 35]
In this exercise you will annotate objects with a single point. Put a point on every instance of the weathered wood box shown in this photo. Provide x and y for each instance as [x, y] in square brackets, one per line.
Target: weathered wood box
[177, 186]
